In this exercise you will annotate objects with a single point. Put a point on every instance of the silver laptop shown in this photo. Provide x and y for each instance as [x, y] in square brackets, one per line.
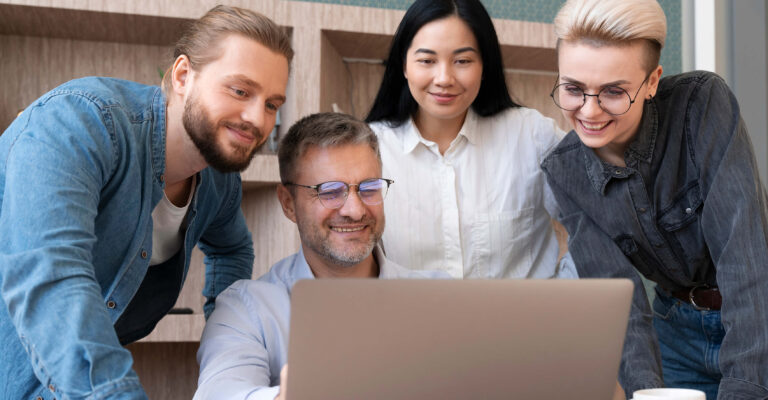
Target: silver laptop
[456, 339]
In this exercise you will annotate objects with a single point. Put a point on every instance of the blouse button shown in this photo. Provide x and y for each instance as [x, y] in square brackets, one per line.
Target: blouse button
[111, 304]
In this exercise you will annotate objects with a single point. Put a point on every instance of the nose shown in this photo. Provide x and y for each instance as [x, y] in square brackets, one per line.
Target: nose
[353, 208]
[255, 114]
[444, 75]
[591, 107]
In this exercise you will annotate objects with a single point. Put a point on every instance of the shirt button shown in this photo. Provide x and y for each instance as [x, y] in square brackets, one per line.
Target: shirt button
[111, 304]
[38, 398]
[143, 254]
[658, 245]
[688, 211]
[51, 388]
[617, 172]
[162, 178]
[642, 210]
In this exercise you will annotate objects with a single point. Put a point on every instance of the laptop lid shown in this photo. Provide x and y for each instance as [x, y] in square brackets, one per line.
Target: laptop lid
[456, 339]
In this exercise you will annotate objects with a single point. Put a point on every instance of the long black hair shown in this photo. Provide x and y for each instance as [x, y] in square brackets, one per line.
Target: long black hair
[394, 102]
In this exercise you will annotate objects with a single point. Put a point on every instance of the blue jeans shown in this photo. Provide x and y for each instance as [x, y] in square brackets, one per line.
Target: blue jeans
[690, 344]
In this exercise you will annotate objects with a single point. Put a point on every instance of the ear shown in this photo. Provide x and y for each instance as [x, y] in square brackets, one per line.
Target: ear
[180, 73]
[286, 200]
[653, 81]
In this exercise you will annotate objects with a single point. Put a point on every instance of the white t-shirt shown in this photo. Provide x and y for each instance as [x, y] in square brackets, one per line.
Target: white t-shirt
[167, 236]
[481, 210]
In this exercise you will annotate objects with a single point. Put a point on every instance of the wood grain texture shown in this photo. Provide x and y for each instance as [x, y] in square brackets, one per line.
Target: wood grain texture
[274, 236]
[90, 25]
[31, 66]
[335, 81]
[177, 328]
[532, 90]
[167, 371]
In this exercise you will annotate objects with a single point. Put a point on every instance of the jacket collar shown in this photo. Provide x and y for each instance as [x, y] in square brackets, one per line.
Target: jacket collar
[639, 150]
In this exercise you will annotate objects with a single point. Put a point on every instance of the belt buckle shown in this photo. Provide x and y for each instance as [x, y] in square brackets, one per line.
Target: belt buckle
[693, 303]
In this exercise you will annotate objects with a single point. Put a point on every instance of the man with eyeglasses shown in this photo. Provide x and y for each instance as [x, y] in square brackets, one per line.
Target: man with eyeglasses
[332, 189]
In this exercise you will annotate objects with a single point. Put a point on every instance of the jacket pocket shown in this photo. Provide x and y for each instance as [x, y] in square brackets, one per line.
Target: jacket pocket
[680, 222]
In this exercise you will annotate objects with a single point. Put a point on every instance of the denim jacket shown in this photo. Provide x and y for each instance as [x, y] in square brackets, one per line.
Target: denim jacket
[80, 171]
[687, 209]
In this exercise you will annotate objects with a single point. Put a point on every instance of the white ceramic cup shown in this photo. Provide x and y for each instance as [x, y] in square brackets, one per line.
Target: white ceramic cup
[668, 394]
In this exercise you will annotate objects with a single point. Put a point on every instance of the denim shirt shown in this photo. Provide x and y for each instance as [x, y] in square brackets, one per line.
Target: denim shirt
[687, 209]
[80, 171]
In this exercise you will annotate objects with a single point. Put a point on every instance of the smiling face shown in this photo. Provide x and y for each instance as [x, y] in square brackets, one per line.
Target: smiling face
[344, 237]
[593, 68]
[444, 69]
[231, 104]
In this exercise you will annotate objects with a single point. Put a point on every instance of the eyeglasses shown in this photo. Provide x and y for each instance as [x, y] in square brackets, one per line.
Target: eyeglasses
[611, 99]
[334, 194]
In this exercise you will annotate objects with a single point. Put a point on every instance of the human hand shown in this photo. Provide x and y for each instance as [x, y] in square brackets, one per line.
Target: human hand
[618, 393]
[284, 383]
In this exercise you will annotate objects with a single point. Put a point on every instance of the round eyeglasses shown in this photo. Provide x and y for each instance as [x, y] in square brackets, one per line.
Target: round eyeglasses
[611, 99]
[334, 194]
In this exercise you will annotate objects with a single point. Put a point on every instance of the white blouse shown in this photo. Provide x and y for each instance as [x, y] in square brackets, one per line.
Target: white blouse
[481, 210]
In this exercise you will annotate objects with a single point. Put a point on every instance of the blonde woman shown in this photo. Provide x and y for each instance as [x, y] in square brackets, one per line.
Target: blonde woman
[658, 178]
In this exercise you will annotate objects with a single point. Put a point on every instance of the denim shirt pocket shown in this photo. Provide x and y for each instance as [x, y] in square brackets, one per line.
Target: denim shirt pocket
[680, 222]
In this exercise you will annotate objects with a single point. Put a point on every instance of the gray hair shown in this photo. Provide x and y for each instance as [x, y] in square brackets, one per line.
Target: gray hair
[322, 130]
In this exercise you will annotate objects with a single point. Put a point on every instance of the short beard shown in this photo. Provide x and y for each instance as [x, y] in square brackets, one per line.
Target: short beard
[202, 131]
[340, 257]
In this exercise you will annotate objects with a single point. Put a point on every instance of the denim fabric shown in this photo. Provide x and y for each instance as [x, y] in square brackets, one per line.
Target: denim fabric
[80, 171]
[687, 209]
[689, 340]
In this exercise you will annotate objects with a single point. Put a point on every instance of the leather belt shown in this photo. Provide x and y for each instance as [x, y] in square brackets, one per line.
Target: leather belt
[702, 298]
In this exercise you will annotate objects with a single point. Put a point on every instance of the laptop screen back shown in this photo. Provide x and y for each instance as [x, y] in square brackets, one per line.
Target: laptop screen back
[456, 339]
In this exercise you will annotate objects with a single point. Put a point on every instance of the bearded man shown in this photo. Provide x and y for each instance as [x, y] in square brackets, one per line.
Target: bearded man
[106, 186]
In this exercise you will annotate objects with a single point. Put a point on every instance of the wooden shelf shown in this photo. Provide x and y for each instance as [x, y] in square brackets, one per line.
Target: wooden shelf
[177, 328]
[263, 172]
[44, 43]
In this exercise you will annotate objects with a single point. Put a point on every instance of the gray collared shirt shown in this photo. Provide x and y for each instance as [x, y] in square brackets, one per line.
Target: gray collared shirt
[688, 209]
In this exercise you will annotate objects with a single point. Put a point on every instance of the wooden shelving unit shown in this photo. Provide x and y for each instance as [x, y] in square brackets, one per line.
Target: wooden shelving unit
[339, 53]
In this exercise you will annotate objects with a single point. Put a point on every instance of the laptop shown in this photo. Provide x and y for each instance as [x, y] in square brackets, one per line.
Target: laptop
[456, 339]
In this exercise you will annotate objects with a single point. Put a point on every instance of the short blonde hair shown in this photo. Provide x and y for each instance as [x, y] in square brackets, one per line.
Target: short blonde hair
[201, 41]
[614, 22]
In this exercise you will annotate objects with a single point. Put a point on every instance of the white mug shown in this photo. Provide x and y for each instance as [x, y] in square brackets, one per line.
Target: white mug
[668, 394]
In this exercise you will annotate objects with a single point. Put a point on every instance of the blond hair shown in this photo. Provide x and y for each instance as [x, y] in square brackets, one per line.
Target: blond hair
[614, 22]
[202, 38]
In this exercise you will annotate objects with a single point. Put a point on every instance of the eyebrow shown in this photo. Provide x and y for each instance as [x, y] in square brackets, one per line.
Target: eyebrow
[614, 83]
[253, 84]
[457, 51]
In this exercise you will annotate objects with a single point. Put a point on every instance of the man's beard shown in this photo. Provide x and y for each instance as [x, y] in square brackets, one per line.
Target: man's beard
[344, 256]
[202, 131]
